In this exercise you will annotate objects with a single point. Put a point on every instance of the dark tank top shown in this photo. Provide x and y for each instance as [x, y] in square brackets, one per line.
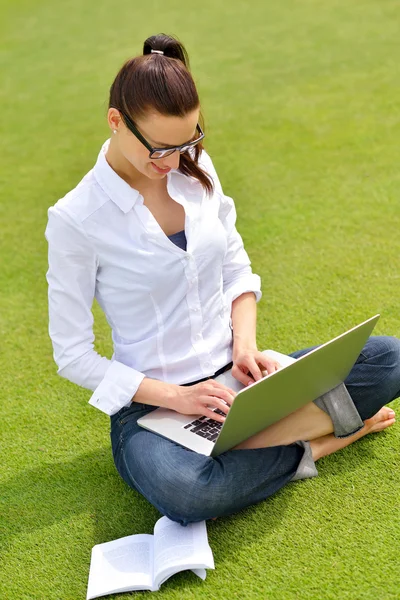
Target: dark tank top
[179, 239]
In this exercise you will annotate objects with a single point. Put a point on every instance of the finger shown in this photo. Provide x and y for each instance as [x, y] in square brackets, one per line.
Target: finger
[268, 364]
[255, 370]
[210, 392]
[211, 414]
[271, 370]
[221, 386]
[240, 376]
[224, 396]
[221, 405]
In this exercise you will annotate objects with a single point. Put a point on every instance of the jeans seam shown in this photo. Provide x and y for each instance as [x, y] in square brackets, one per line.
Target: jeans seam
[123, 420]
[131, 415]
[137, 486]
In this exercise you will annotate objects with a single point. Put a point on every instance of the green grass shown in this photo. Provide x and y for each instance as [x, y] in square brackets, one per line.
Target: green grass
[301, 100]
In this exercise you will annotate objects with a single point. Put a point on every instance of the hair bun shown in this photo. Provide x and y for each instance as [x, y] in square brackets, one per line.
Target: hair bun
[170, 46]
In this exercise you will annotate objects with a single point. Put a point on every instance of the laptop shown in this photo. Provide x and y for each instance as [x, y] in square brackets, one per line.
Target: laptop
[296, 383]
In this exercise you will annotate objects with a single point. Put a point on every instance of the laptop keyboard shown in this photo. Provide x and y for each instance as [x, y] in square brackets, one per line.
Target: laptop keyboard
[205, 427]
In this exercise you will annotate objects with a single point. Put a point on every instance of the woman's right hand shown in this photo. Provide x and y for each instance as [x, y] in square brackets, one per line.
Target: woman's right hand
[201, 398]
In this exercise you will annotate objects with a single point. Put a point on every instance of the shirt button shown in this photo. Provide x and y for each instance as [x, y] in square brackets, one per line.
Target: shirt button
[207, 365]
[198, 336]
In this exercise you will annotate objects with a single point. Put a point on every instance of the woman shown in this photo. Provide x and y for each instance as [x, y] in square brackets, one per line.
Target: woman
[149, 233]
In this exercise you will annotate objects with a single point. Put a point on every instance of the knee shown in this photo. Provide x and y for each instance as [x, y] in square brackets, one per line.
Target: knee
[189, 496]
[182, 485]
[383, 349]
[383, 353]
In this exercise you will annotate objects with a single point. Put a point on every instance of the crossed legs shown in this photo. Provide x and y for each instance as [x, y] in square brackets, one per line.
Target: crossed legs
[373, 382]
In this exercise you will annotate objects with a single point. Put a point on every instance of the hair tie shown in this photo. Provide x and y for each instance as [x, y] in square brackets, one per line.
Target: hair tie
[157, 52]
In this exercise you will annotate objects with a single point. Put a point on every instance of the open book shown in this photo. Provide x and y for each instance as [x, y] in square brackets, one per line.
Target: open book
[144, 562]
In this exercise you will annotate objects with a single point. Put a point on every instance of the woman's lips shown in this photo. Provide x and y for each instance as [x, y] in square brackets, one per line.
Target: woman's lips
[161, 170]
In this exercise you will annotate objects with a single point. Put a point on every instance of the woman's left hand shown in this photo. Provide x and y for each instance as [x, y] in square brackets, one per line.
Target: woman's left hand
[249, 364]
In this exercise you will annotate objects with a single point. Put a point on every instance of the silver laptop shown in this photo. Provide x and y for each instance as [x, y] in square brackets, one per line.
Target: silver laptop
[275, 396]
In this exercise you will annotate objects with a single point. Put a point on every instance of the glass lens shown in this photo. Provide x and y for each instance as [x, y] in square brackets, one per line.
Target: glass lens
[161, 153]
[168, 152]
[191, 144]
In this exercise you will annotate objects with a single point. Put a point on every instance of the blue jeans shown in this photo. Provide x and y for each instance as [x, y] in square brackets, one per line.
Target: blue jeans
[187, 486]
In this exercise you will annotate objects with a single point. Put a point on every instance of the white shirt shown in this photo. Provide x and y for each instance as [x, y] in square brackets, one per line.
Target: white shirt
[169, 309]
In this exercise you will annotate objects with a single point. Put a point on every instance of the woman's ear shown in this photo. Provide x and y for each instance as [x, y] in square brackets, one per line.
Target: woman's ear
[114, 119]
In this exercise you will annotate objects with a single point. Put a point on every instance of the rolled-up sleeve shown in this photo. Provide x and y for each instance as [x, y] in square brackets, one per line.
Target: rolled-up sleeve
[71, 278]
[238, 277]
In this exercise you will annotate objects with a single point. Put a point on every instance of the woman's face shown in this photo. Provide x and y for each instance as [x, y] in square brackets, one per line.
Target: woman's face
[159, 131]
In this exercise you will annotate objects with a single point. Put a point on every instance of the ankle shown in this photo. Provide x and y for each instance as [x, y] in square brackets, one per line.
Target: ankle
[328, 444]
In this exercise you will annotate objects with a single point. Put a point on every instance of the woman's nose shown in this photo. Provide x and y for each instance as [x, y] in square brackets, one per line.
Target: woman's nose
[172, 161]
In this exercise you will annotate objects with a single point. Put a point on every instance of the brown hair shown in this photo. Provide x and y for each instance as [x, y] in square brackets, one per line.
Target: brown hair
[162, 83]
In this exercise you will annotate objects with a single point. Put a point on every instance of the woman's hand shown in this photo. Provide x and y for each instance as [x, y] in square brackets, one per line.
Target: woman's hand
[249, 364]
[201, 398]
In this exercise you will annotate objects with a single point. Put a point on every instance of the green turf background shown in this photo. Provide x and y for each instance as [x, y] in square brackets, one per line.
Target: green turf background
[301, 102]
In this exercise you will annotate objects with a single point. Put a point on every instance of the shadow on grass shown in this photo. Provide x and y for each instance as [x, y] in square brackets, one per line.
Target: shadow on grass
[38, 498]
[56, 492]
[89, 484]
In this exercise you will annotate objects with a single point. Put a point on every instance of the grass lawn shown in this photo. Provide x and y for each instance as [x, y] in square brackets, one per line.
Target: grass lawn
[301, 102]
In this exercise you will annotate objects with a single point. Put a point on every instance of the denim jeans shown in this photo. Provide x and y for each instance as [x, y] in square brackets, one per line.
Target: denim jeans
[187, 486]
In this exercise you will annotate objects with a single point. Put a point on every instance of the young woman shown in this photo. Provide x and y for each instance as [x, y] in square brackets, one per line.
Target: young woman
[149, 233]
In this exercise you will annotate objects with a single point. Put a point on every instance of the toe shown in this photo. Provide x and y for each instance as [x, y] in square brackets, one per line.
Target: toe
[386, 413]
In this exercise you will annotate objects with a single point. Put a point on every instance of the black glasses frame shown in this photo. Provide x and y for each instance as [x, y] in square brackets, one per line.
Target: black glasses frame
[164, 151]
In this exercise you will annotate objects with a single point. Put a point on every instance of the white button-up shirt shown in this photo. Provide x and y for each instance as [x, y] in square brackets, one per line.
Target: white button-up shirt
[169, 309]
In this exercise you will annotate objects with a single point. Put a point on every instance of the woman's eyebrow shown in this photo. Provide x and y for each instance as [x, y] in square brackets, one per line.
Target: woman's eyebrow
[159, 144]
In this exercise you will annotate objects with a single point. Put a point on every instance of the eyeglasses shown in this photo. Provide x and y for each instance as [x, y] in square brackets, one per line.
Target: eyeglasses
[160, 152]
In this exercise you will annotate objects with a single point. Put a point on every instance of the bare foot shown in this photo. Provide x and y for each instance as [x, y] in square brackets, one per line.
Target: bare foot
[328, 444]
[383, 419]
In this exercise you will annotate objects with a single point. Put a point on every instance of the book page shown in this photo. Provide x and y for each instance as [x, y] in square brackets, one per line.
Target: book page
[120, 566]
[177, 548]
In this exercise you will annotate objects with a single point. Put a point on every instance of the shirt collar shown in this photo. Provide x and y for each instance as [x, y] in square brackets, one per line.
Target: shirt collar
[120, 192]
[114, 186]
